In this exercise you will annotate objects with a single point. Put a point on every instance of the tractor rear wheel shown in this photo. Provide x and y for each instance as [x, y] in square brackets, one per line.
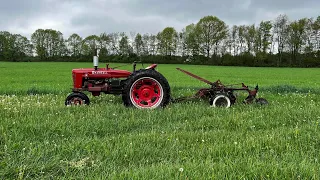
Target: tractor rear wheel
[146, 89]
[220, 100]
[77, 98]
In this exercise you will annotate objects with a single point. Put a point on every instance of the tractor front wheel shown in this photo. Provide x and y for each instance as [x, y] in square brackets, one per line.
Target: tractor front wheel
[77, 99]
[146, 89]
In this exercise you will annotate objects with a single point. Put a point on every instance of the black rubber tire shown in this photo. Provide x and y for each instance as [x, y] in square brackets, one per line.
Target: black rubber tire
[262, 101]
[232, 98]
[149, 73]
[81, 96]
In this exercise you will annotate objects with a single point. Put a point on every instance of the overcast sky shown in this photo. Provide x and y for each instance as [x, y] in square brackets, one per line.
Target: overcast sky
[87, 17]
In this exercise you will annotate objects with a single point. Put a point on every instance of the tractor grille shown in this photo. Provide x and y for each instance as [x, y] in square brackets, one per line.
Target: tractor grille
[74, 79]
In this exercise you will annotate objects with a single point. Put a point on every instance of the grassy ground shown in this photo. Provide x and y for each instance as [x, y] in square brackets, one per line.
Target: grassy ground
[40, 138]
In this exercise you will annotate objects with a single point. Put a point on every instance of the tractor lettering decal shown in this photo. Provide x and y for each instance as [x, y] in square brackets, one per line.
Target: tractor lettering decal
[99, 72]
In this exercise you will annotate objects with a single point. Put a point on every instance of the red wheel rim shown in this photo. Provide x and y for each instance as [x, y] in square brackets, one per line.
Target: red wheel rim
[146, 92]
[76, 101]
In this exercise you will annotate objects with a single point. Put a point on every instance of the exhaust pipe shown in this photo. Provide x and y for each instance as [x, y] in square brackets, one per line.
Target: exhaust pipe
[96, 59]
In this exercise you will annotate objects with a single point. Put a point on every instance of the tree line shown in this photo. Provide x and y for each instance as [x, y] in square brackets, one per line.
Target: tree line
[274, 43]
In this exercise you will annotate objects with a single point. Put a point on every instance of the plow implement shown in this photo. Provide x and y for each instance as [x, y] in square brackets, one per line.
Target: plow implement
[221, 95]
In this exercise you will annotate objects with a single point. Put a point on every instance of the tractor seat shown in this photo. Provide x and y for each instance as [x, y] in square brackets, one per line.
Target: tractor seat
[152, 66]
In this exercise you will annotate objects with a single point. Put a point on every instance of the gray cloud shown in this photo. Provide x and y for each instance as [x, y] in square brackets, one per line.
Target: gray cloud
[285, 4]
[87, 17]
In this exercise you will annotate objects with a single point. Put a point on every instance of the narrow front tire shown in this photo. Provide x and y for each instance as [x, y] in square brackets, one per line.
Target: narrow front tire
[76, 98]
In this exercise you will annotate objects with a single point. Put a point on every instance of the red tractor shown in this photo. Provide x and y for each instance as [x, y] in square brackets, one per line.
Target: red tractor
[147, 88]
[143, 88]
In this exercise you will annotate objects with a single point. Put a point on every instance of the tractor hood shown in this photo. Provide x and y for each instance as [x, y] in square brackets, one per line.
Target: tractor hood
[100, 73]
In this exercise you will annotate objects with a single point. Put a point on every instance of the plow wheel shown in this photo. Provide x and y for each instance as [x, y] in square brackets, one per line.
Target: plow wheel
[220, 100]
[146, 89]
[77, 99]
[262, 101]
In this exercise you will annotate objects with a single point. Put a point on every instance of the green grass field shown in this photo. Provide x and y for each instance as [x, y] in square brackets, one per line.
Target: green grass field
[40, 138]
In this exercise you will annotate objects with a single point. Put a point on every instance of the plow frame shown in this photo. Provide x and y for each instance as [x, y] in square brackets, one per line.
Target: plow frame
[218, 90]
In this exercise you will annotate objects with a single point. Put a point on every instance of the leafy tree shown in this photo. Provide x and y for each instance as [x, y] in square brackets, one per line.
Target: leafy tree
[181, 44]
[233, 39]
[138, 44]
[48, 43]
[2, 44]
[146, 44]
[192, 41]
[226, 46]
[74, 44]
[153, 44]
[38, 39]
[249, 36]
[211, 31]
[5, 37]
[13, 46]
[309, 44]
[241, 37]
[296, 37]
[114, 43]
[167, 40]
[265, 29]
[316, 33]
[90, 44]
[281, 34]
[258, 40]
[54, 43]
[263, 37]
[104, 45]
[124, 46]
[21, 46]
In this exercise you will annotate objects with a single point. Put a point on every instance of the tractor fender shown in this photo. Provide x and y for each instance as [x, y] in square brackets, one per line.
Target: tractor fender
[153, 66]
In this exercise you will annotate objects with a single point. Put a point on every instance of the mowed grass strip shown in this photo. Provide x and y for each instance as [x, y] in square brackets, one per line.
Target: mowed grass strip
[40, 138]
